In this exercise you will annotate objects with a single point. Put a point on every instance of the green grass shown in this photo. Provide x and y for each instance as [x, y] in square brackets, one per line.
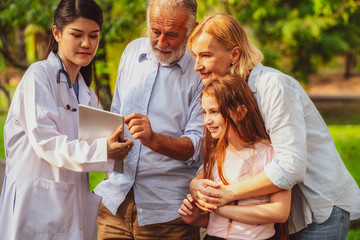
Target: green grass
[347, 139]
[354, 235]
[95, 179]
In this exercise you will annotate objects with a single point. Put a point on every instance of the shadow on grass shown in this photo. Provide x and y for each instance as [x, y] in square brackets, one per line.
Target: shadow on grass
[340, 112]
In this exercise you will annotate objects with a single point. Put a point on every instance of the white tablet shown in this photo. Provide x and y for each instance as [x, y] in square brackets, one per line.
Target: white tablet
[96, 123]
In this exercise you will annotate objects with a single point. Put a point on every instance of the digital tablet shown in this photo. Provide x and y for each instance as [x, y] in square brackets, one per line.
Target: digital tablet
[96, 123]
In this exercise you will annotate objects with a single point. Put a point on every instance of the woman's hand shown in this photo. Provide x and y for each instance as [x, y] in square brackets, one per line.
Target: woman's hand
[209, 195]
[118, 150]
[204, 198]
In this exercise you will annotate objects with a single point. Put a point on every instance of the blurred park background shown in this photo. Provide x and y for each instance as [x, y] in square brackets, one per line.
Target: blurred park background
[316, 41]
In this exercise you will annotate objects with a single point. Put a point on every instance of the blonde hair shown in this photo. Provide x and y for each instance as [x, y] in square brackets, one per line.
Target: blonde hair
[228, 31]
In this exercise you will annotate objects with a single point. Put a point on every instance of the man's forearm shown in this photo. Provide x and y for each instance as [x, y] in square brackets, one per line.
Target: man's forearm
[179, 148]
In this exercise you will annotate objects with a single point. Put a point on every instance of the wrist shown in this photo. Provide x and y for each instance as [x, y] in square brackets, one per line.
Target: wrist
[230, 194]
[149, 141]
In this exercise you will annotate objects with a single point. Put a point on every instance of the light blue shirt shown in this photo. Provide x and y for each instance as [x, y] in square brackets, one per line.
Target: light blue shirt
[305, 153]
[170, 96]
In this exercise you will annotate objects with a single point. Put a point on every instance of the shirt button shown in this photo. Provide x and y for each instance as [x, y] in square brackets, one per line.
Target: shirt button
[144, 111]
[140, 211]
[81, 226]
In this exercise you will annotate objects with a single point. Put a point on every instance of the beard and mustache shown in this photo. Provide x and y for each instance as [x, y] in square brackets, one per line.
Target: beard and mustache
[170, 56]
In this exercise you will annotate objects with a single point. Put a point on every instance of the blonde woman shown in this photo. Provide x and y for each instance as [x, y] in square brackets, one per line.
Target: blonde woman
[325, 196]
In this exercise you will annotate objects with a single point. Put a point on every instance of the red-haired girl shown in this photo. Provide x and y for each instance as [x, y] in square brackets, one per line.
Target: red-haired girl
[236, 147]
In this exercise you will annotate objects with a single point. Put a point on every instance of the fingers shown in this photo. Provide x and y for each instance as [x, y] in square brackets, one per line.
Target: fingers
[214, 198]
[139, 126]
[205, 189]
[190, 198]
[209, 190]
[132, 116]
[126, 146]
[119, 150]
[128, 142]
[138, 132]
[206, 207]
[210, 183]
[137, 122]
[186, 208]
[182, 212]
[117, 133]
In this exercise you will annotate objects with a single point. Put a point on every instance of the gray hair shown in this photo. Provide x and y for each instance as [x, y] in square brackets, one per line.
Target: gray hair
[189, 5]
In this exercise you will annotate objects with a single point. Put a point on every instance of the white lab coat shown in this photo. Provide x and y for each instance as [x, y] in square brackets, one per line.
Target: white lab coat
[46, 189]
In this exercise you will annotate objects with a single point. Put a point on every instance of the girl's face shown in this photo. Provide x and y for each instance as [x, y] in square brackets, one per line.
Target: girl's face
[212, 59]
[77, 42]
[213, 119]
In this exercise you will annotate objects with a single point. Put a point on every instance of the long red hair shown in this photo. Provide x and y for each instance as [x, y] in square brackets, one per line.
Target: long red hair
[231, 93]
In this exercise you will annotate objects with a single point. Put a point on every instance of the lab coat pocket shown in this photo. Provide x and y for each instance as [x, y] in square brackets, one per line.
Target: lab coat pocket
[51, 207]
[92, 212]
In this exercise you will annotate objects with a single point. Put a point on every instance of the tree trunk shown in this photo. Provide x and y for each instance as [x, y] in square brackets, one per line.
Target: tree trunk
[103, 90]
[20, 50]
[7, 94]
[349, 62]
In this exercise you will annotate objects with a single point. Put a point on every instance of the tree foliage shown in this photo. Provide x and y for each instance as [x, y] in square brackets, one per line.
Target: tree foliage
[295, 36]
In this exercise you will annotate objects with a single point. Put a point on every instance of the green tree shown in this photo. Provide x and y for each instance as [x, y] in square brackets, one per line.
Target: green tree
[296, 36]
[123, 21]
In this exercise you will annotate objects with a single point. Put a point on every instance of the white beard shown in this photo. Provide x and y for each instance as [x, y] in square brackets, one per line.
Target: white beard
[169, 58]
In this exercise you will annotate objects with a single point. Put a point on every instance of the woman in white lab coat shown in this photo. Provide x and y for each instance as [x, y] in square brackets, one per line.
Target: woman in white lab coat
[46, 189]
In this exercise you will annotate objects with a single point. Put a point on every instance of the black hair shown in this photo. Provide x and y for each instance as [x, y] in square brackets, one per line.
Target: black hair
[67, 12]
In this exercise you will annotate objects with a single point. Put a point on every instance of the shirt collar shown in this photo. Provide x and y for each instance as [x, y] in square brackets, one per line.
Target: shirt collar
[182, 63]
[255, 73]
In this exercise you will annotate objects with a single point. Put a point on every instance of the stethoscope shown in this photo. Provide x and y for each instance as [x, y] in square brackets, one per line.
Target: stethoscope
[62, 70]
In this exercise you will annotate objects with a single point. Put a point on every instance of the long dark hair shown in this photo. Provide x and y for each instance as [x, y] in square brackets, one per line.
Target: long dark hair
[67, 12]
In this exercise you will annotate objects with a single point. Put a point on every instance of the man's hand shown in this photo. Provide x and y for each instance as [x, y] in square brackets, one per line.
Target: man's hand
[139, 127]
[178, 148]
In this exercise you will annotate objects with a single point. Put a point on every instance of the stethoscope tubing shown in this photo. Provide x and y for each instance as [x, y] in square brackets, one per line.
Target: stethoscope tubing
[59, 72]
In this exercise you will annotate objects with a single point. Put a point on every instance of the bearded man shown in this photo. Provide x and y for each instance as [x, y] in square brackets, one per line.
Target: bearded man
[158, 92]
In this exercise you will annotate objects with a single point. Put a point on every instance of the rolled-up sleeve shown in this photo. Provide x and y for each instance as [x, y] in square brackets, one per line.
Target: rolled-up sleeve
[194, 127]
[279, 99]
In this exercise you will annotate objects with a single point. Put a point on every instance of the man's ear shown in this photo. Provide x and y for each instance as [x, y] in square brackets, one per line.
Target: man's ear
[56, 33]
[235, 55]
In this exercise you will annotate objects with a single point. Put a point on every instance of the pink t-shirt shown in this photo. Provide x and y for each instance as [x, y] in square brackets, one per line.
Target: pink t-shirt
[237, 166]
